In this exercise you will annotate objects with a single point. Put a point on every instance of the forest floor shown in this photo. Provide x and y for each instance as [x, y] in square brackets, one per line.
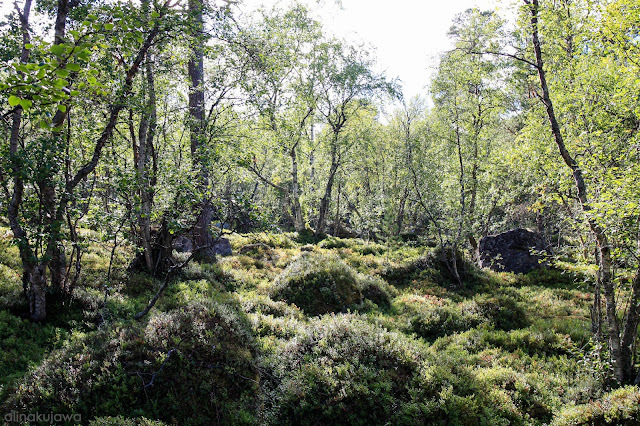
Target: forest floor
[344, 331]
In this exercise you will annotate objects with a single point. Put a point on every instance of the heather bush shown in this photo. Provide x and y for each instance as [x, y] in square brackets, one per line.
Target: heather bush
[431, 317]
[343, 370]
[318, 284]
[122, 421]
[619, 407]
[193, 365]
[321, 283]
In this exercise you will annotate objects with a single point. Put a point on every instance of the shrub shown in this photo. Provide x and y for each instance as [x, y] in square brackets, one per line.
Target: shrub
[194, 365]
[342, 370]
[256, 303]
[435, 264]
[333, 243]
[524, 341]
[321, 283]
[502, 311]
[273, 240]
[377, 290]
[371, 248]
[431, 317]
[355, 244]
[318, 284]
[620, 407]
[23, 344]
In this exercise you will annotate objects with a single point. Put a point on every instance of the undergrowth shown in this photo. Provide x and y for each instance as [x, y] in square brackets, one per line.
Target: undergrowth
[292, 330]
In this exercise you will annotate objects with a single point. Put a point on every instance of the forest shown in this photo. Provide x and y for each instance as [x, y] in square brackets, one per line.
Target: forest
[216, 216]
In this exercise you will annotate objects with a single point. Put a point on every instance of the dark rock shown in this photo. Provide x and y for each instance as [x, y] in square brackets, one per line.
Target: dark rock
[183, 244]
[222, 247]
[512, 251]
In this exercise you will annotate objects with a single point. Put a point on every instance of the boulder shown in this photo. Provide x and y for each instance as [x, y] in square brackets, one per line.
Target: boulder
[512, 251]
[184, 244]
[222, 247]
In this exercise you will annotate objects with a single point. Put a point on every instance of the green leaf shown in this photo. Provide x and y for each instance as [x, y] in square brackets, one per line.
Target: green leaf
[108, 27]
[58, 49]
[75, 93]
[43, 125]
[62, 73]
[92, 80]
[73, 67]
[14, 100]
[62, 108]
[25, 104]
[28, 46]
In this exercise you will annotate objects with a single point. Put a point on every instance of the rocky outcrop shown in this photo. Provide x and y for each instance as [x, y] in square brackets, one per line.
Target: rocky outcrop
[515, 251]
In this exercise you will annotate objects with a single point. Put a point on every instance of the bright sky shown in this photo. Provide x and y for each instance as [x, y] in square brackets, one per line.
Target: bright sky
[407, 35]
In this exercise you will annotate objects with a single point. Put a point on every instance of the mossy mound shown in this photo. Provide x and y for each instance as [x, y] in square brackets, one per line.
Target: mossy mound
[318, 284]
[432, 317]
[504, 312]
[342, 370]
[194, 365]
[322, 283]
[377, 290]
[620, 407]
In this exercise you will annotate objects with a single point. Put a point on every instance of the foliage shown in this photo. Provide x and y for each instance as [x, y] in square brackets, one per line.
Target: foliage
[318, 284]
[372, 311]
[163, 368]
[619, 407]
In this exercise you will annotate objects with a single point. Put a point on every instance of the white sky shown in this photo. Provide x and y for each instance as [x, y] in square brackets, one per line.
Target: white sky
[407, 35]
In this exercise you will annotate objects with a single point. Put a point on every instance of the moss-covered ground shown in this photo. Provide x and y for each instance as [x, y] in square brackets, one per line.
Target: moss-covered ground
[283, 332]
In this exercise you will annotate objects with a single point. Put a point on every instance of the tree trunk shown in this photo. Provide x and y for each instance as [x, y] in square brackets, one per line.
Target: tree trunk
[336, 223]
[201, 231]
[630, 332]
[326, 198]
[621, 366]
[296, 209]
[401, 209]
[146, 176]
[37, 295]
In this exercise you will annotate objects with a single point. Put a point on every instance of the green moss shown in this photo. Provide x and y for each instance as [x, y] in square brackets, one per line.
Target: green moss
[23, 345]
[620, 407]
[165, 368]
[318, 284]
[432, 317]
